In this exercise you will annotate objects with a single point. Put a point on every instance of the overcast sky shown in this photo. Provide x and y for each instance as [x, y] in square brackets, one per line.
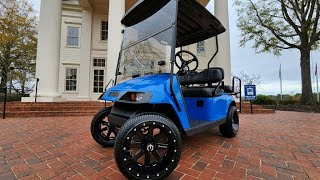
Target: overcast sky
[267, 65]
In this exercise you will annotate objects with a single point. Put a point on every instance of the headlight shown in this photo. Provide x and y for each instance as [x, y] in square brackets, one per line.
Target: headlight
[139, 97]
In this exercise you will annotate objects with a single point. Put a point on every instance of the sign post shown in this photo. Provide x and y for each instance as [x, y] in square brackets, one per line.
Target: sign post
[250, 94]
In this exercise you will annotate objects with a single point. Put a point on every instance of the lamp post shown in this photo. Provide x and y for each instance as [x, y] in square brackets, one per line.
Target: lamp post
[11, 76]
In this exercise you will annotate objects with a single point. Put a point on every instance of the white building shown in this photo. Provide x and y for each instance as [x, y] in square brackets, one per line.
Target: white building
[79, 43]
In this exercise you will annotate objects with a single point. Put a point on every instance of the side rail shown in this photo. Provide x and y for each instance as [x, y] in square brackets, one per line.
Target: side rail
[112, 82]
[237, 91]
[5, 89]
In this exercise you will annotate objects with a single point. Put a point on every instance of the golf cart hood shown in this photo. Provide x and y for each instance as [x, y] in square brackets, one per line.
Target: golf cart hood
[195, 22]
[157, 84]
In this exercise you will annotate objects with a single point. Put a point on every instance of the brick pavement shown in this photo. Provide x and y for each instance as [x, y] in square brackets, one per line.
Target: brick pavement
[285, 145]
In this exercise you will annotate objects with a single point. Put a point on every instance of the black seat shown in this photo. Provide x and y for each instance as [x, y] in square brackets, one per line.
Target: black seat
[201, 91]
[207, 76]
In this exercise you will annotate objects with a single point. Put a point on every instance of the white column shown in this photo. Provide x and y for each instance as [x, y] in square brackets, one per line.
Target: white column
[48, 52]
[223, 58]
[116, 12]
[85, 55]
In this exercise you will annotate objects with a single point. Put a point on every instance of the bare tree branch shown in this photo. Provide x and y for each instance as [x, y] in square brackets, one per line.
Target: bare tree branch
[270, 29]
[288, 18]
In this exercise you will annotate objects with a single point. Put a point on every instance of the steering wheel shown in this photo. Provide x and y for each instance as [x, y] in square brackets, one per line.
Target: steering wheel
[185, 63]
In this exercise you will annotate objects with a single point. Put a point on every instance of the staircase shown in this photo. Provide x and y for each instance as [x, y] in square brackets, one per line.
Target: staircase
[42, 109]
[257, 109]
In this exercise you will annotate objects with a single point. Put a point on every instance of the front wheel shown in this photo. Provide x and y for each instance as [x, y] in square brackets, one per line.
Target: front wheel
[231, 127]
[101, 130]
[148, 147]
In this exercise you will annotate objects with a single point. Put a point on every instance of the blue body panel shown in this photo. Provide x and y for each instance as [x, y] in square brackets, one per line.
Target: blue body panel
[212, 109]
[158, 85]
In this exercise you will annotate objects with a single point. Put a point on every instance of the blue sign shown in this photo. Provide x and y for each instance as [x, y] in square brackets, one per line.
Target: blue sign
[250, 92]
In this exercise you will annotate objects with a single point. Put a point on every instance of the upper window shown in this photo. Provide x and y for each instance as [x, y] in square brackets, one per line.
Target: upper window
[71, 79]
[104, 30]
[73, 36]
[201, 48]
[99, 62]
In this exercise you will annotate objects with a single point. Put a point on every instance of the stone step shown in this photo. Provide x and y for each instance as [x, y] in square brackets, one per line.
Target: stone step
[26, 114]
[20, 109]
[258, 111]
[80, 103]
[51, 108]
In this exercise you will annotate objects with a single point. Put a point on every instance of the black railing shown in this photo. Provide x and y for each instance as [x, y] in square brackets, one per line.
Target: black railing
[111, 81]
[240, 90]
[36, 95]
[4, 102]
[6, 93]
[105, 90]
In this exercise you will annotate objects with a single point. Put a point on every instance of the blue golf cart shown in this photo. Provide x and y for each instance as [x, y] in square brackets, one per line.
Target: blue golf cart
[159, 93]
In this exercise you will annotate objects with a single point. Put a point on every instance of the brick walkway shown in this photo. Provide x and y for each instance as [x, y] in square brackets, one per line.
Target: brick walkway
[284, 145]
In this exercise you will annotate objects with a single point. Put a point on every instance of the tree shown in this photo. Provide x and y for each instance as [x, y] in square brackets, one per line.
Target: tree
[277, 25]
[18, 30]
[248, 79]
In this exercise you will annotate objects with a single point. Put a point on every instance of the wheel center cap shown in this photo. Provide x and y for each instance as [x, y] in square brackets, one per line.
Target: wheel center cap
[150, 147]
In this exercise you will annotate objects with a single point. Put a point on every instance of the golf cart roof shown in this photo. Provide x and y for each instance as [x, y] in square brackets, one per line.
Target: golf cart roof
[195, 22]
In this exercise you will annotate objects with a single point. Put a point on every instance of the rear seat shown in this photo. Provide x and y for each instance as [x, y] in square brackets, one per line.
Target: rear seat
[207, 76]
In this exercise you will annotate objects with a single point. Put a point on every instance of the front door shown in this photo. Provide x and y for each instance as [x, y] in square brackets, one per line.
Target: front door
[98, 77]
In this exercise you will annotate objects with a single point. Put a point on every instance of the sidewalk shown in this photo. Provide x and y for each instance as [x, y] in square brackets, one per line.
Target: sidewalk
[284, 145]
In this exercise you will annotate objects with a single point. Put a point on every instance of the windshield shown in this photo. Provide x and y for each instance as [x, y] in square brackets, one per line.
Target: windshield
[146, 47]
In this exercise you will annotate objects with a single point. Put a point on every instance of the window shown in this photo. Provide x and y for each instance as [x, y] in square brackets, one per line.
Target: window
[98, 84]
[99, 65]
[104, 30]
[201, 48]
[71, 79]
[73, 36]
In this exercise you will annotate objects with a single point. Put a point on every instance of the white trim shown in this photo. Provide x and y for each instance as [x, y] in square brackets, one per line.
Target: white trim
[72, 22]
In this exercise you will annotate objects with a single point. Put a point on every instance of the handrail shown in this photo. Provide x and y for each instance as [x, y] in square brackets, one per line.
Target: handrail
[5, 88]
[105, 90]
[4, 102]
[111, 81]
[240, 92]
[37, 83]
[5, 96]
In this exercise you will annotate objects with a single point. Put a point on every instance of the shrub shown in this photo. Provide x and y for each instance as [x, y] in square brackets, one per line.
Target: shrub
[13, 97]
[289, 102]
[264, 100]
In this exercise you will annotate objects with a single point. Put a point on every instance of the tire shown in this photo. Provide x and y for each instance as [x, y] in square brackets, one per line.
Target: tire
[101, 130]
[144, 154]
[231, 127]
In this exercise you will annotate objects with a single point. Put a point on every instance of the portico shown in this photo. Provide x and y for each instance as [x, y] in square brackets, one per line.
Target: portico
[79, 43]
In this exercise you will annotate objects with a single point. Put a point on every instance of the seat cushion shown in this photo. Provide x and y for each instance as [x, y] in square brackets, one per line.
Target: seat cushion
[207, 76]
[201, 91]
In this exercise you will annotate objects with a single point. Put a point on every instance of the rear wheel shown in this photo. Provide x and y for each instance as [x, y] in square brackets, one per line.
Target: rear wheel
[148, 147]
[231, 127]
[101, 130]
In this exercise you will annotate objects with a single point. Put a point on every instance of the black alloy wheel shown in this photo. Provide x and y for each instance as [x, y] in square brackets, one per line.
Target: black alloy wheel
[231, 127]
[101, 130]
[148, 147]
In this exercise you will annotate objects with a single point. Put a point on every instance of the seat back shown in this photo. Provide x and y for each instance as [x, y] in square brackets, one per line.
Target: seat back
[207, 76]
